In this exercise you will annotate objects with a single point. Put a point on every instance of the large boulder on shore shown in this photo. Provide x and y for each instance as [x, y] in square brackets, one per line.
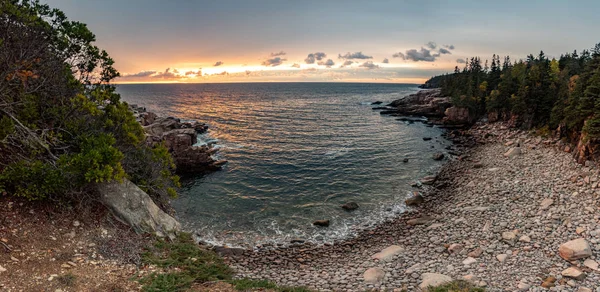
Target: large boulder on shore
[135, 208]
[575, 249]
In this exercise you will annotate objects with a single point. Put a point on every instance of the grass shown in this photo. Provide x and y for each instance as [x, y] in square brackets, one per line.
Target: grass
[185, 264]
[250, 285]
[456, 286]
[67, 279]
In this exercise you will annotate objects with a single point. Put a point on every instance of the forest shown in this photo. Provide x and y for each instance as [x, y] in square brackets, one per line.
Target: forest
[552, 95]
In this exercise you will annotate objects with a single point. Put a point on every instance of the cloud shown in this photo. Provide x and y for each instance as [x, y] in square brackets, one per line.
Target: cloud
[369, 65]
[318, 56]
[418, 55]
[357, 55]
[431, 45]
[175, 71]
[281, 53]
[461, 61]
[296, 65]
[222, 73]
[167, 74]
[309, 70]
[449, 47]
[197, 73]
[347, 63]
[327, 63]
[140, 74]
[274, 62]
[219, 63]
[444, 51]
[385, 61]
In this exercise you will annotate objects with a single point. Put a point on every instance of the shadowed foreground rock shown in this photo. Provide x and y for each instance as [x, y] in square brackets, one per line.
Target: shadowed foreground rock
[135, 208]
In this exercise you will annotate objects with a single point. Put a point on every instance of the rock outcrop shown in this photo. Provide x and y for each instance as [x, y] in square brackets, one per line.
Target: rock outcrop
[135, 208]
[179, 137]
[428, 103]
[458, 115]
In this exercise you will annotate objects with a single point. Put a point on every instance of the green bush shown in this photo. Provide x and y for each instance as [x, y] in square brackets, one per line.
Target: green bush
[63, 127]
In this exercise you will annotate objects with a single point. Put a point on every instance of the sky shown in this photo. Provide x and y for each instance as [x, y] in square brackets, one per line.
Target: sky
[324, 41]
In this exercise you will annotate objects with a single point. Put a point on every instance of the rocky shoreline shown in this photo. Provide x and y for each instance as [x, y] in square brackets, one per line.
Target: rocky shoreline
[496, 215]
[179, 138]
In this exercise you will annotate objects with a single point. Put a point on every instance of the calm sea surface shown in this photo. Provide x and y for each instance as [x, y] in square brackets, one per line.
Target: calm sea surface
[296, 152]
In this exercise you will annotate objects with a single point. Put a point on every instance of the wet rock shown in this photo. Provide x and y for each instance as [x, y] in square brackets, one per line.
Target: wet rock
[376, 102]
[426, 138]
[438, 156]
[297, 240]
[575, 249]
[405, 160]
[350, 206]
[416, 199]
[321, 223]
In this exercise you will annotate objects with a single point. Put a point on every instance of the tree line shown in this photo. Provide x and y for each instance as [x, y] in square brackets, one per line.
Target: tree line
[537, 92]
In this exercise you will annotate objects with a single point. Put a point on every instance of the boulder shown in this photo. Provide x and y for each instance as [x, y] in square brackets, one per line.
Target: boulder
[321, 223]
[195, 160]
[350, 206]
[476, 253]
[455, 248]
[592, 264]
[457, 115]
[388, 253]
[469, 261]
[575, 249]
[374, 275]
[135, 208]
[228, 251]
[179, 139]
[501, 257]
[433, 280]
[416, 199]
[438, 156]
[574, 273]
[160, 126]
[546, 203]
[513, 152]
[420, 221]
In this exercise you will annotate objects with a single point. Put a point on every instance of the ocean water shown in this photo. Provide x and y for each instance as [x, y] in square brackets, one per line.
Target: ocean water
[296, 152]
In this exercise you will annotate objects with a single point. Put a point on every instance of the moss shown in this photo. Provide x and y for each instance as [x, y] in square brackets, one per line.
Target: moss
[456, 286]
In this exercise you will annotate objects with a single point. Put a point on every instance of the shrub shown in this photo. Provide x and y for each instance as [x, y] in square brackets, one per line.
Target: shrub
[63, 127]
